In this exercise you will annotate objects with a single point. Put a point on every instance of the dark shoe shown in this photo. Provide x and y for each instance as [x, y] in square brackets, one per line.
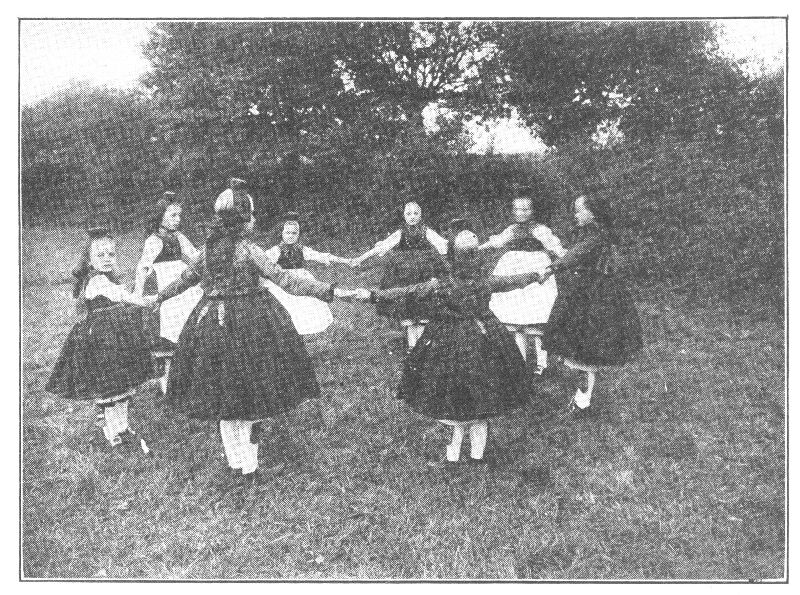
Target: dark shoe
[585, 413]
[130, 438]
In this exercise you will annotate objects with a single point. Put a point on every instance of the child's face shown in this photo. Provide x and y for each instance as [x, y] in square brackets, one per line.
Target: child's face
[171, 220]
[523, 210]
[412, 213]
[582, 213]
[103, 255]
[291, 232]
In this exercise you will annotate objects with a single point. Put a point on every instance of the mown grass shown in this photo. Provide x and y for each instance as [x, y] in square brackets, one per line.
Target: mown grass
[680, 477]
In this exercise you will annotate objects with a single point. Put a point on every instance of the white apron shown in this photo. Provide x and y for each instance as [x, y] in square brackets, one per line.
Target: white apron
[175, 311]
[530, 304]
[309, 315]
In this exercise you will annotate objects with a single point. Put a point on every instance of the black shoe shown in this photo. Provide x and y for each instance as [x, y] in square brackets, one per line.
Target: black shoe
[585, 413]
[131, 439]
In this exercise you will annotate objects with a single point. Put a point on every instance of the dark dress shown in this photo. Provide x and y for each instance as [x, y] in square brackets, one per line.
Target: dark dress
[239, 355]
[594, 320]
[291, 256]
[105, 355]
[466, 366]
[413, 260]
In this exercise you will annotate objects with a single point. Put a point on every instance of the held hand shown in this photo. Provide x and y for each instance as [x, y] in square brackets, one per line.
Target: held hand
[363, 295]
[355, 262]
[343, 294]
[548, 272]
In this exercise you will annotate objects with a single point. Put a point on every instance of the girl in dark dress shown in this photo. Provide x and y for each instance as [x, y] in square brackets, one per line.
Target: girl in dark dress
[105, 357]
[594, 322]
[466, 367]
[165, 255]
[415, 254]
[239, 358]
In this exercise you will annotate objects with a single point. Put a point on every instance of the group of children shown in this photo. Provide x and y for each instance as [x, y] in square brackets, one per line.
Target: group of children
[237, 352]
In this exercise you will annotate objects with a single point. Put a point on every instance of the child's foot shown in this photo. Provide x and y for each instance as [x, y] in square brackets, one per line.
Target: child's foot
[582, 412]
[255, 433]
[130, 438]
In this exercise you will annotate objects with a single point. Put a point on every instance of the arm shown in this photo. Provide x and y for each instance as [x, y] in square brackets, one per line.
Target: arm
[381, 247]
[577, 253]
[499, 240]
[273, 253]
[101, 285]
[187, 248]
[418, 290]
[549, 240]
[287, 281]
[152, 248]
[191, 276]
[436, 240]
[507, 283]
[324, 257]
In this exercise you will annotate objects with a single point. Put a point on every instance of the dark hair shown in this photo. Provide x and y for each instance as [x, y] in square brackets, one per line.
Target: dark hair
[227, 228]
[603, 215]
[161, 206]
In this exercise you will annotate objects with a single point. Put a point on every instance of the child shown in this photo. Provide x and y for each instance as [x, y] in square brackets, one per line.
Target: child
[594, 322]
[239, 358]
[466, 367]
[415, 256]
[105, 357]
[530, 247]
[309, 314]
[164, 257]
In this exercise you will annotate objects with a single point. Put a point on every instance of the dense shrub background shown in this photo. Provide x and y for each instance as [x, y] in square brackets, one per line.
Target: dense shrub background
[696, 179]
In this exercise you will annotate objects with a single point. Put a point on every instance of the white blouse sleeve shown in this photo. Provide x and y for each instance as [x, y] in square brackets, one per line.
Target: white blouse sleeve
[100, 285]
[187, 247]
[311, 254]
[152, 248]
[390, 242]
[273, 254]
[436, 240]
[549, 240]
[501, 239]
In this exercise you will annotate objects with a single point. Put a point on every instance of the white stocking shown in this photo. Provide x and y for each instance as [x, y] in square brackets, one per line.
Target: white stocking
[414, 333]
[478, 432]
[454, 448]
[522, 343]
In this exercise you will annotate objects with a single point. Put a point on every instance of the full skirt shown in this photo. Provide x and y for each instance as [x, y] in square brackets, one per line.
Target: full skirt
[240, 358]
[105, 355]
[594, 321]
[464, 370]
[409, 267]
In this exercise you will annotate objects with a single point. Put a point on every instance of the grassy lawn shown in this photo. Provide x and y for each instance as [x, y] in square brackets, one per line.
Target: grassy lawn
[680, 477]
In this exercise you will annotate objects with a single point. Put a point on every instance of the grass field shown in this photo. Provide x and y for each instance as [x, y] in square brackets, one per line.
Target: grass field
[680, 477]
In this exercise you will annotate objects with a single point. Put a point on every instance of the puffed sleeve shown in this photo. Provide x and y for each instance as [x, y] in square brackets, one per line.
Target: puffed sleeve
[101, 285]
[501, 239]
[549, 240]
[578, 253]
[311, 254]
[190, 277]
[418, 290]
[383, 246]
[273, 253]
[287, 281]
[152, 248]
[187, 248]
[436, 241]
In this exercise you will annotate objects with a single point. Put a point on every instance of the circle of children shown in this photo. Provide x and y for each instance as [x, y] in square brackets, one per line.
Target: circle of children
[230, 318]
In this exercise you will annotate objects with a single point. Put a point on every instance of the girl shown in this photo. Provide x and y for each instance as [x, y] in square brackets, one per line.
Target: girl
[594, 321]
[309, 314]
[416, 256]
[105, 356]
[164, 257]
[239, 358]
[530, 247]
[466, 367]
